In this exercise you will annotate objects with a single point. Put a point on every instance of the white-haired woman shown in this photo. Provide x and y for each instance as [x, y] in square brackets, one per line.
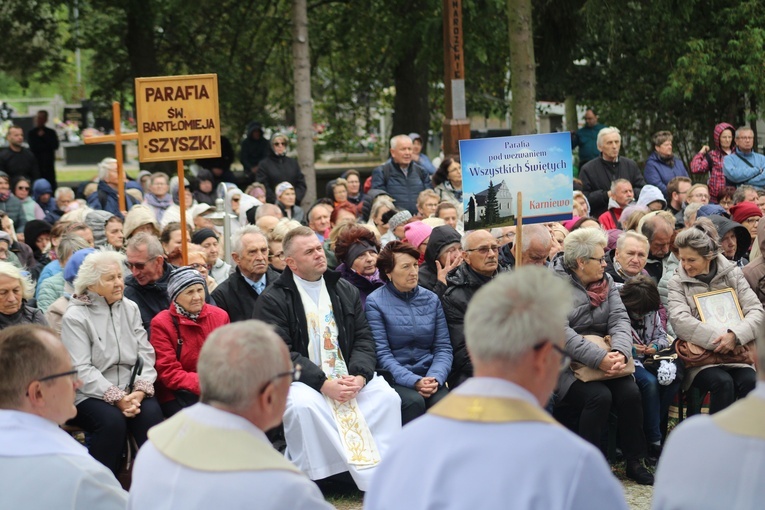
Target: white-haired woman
[704, 269]
[598, 310]
[105, 338]
[15, 289]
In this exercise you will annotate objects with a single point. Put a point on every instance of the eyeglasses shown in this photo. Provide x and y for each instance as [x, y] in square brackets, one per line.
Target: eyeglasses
[197, 265]
[294, 373]
[484, 250]
[744, 138]
[235, 199]
[565, 359]
[23, 188]
[279, 256]
[280, 144]
[602, 259]
[137, 265]
[509, 235]
[72, 374]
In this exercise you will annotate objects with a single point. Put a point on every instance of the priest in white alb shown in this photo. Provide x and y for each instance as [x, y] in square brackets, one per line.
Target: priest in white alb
[717, 461]
[41, 466]
[215, 454]
[490, 444]
[340, 417]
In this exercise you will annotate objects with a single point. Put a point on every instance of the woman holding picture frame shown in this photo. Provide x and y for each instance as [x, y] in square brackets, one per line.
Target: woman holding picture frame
[693, 312]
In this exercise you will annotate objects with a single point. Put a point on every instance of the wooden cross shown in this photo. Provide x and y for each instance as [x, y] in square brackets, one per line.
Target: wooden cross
[117, 138]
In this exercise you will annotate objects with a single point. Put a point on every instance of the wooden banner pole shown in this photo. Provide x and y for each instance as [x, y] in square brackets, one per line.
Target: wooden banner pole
[182, 205]
[117, 138]
[519, 232]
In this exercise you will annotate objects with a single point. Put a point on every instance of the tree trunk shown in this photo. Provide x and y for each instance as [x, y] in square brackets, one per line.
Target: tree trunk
[410, 107]
[303, 105]
[572, 119]
[523, 81]
[139, 38]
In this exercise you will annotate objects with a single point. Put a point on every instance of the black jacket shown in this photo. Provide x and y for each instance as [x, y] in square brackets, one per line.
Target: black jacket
[597, 176]
[440, 238]
[237, 297]
[743, 237]
[152, 298]
[275, 169]
[281, 306]
[461, 284]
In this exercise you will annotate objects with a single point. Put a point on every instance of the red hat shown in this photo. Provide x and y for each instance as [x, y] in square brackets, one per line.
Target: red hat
[740, 212]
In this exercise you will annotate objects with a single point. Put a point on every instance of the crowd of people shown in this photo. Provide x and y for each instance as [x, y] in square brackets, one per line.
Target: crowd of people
[337, 323]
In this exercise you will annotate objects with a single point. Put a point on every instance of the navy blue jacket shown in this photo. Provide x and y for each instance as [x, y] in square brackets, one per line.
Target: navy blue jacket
[404, 188]
[410, 333]
[106, 198]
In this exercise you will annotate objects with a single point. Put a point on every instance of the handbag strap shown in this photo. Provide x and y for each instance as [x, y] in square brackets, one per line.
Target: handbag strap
[179, 346]
[742, 158]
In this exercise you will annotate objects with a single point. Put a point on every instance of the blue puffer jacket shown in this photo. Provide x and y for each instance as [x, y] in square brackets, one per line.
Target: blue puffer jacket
[410, 333]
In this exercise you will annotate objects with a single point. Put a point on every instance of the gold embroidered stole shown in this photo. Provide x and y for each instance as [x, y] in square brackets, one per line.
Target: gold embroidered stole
[743, 418]
[482, 409]
[206, 448]
[355, 436]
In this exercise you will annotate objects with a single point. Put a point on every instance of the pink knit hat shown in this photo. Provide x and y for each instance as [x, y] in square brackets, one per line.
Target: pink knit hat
[744, 210]
[416, 232]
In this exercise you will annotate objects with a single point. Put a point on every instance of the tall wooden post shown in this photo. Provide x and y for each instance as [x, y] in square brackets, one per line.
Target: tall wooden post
[117, 138]
[456, 125]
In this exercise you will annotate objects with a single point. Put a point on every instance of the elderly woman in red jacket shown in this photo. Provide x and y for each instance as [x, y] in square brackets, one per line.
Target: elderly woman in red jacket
[177, 335]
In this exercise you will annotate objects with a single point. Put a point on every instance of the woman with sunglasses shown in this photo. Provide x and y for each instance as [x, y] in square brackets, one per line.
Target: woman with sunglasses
[278, 167]
[32, 210]
[598, 311]
[107, 342]
[178, 334]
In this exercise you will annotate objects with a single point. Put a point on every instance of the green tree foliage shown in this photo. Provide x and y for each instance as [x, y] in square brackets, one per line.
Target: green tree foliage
[32, 42]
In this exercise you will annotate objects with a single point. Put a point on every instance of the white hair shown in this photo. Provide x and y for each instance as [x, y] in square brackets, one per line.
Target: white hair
[236, 239]
[105, 166]
[516, 311]
[236, 361]
[94, 267]
[62, 190]
[580, 244]
[10, 271]
[535, 233]
[607, 131]
[630, 234]
[394, 141]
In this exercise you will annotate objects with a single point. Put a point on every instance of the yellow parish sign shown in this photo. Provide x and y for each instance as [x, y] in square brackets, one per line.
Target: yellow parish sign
[178, 117]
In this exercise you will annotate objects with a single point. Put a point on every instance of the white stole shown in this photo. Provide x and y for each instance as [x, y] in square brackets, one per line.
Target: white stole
[324, 350]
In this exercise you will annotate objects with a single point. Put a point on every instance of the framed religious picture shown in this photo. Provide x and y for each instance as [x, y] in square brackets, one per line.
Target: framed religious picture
[719, 308]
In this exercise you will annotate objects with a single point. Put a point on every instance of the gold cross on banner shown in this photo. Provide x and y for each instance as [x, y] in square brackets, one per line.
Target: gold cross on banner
[117, 138]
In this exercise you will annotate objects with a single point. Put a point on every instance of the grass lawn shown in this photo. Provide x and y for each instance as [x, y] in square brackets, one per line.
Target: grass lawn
[75, 175]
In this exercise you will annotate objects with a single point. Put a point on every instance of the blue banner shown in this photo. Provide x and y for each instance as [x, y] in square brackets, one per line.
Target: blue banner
[494, 170]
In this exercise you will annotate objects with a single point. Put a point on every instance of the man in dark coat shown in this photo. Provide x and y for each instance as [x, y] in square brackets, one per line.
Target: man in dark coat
[479, 265]
[400, 177]
[15, 160]
[254, 149]
[336, 355]
[238, 293]
[598, 174]
[147, 283]
[278, 167]
[43, 142]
